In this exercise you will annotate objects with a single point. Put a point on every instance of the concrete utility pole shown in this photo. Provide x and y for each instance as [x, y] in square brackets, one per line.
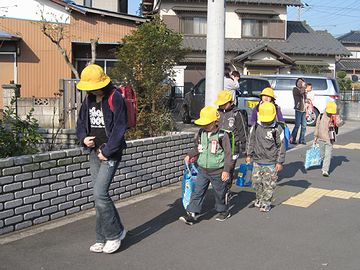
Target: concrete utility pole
[215, 50]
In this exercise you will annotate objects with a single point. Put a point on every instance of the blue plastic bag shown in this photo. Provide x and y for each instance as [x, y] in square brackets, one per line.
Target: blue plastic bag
[244, 175]
[188, 183]
[313, 157]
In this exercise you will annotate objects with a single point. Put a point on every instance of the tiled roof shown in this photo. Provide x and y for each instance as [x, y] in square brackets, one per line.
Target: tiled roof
[351, 37]
[348, 64]
[272, 2]
[312, 42]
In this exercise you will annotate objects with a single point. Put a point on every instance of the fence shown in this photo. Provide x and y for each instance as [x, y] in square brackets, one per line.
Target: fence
[350, 95]
[72, 99]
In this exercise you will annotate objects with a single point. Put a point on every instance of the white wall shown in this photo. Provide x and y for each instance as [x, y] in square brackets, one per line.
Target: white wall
[32, 9]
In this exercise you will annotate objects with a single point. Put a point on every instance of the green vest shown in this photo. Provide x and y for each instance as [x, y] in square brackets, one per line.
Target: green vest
[207, 159]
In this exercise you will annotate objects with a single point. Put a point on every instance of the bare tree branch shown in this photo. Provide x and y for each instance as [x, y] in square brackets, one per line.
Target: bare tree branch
[93, 43]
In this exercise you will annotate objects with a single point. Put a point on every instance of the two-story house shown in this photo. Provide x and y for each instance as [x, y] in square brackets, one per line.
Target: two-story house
[29, 58]
[350, 64]
[259, 38]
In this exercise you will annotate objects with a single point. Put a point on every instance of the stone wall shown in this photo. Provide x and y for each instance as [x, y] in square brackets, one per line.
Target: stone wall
[38, 188]
[349, 110]
[65, 139]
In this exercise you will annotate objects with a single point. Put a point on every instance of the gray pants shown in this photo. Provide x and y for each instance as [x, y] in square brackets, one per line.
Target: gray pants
[326, 152]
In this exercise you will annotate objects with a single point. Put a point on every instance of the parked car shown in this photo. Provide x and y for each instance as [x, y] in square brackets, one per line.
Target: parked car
[325, 89]
[247, 97]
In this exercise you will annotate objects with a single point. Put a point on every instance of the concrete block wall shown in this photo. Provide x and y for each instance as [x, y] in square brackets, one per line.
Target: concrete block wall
[38, 188]
[65, 139]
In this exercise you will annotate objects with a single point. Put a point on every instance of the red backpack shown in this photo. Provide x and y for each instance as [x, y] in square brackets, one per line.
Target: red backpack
[129, 96]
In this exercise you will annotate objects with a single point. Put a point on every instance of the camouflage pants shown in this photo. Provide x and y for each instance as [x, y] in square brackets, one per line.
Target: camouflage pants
[264, 179]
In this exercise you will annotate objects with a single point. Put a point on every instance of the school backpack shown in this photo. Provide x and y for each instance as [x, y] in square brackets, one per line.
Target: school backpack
[286, 131]
[129, 96]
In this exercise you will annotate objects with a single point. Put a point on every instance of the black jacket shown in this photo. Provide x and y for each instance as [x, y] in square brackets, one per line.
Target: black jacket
[115, 124]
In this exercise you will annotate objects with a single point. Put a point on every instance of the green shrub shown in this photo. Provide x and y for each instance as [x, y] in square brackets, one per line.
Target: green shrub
[17, 136]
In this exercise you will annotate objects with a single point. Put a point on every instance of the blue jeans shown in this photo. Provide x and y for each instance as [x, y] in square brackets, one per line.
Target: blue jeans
[300, 119]
[202, 182]
[108, 223]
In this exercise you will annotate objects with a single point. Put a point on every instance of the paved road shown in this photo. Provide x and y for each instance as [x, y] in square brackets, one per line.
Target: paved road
[315, 232]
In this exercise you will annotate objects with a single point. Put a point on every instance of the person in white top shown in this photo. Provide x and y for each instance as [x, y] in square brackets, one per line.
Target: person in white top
[231, 82]
[309, 103]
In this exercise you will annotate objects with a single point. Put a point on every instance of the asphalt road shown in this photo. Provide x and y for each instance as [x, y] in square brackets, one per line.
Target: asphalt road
[324, 234]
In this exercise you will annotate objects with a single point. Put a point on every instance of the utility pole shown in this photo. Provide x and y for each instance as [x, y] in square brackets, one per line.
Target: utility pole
[215, 44]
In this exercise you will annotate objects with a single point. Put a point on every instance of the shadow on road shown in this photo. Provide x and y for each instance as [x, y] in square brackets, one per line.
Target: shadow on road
[291, 169]
[155, 224]
[337, 161]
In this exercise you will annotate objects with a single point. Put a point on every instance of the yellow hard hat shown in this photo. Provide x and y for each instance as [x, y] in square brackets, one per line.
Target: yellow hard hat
[223, 97]
[267, 112]
[92, 78]
[208, 115]
[331, 107]
[268, 92]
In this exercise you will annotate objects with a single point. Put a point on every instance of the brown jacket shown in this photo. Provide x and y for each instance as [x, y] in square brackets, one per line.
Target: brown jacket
[322, 127]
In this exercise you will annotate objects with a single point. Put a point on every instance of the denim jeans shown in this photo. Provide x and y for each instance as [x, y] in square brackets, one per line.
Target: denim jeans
[300, 119]
[201, 185]
[108, 223]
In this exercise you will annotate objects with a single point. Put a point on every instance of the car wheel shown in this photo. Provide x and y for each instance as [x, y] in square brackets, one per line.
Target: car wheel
[186, 116]
[311, 118]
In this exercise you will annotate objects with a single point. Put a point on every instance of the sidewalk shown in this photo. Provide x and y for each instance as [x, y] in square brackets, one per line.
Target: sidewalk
[324, 235]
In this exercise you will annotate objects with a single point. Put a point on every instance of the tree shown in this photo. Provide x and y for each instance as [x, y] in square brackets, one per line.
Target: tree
[343, 81]
[146, 61]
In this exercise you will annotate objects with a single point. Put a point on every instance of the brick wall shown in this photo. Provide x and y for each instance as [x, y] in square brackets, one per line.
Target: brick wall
[38, 188]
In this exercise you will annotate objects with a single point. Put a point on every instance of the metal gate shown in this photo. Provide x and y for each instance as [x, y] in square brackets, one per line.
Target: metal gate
[72, 99]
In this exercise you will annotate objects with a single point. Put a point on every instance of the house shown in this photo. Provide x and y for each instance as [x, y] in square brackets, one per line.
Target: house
[29, 58]
[109, 5]
[259, 38]
[351, 64]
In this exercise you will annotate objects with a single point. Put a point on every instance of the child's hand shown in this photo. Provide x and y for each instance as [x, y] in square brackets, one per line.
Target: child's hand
[186, 159]
[278, 167]
[225, 176]
[89, 141]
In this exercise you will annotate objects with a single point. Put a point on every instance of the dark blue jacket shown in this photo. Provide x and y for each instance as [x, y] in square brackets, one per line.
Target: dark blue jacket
[115, 124]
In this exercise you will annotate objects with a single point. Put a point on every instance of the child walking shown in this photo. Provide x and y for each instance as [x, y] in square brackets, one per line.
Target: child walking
[233, 122]
[325, 133]
[213, 152]
[267, 149]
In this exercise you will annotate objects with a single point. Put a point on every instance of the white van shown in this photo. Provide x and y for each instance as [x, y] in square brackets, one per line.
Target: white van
[325, 90]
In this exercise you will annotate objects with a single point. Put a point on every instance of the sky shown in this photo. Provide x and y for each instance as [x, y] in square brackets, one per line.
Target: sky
[336, 16]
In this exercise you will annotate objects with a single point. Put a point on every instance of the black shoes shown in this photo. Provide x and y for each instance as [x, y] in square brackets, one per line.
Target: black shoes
[223, 216]
[189, 218]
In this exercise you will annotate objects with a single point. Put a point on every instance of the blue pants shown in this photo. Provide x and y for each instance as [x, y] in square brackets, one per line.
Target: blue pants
[108, 223]
[300, 119]
[201, 185]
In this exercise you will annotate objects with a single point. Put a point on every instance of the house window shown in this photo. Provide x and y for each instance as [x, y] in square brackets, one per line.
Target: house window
[193, 25]
[88, 3]
[254, 28]
[355, 54]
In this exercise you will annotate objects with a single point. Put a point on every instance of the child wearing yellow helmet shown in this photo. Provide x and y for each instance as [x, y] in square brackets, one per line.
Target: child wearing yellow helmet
[268, 95]
[266, 148]
[326, 129]
[213, 152]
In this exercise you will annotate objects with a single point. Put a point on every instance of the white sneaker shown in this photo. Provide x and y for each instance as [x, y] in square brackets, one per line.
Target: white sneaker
[113, 245]
[97, 247]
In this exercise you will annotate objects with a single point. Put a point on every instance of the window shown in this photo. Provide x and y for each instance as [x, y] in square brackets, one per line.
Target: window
[194, 25]
[199, 89]
[285, 84]
[317, 84]
[88, 3]
[254, 28]
[105, 64]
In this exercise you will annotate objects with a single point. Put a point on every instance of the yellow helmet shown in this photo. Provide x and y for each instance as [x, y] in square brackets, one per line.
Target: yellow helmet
[92, 78]
[331, 107]
[208, 115]
[223, 97]
[268, 92]
[267, 112]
